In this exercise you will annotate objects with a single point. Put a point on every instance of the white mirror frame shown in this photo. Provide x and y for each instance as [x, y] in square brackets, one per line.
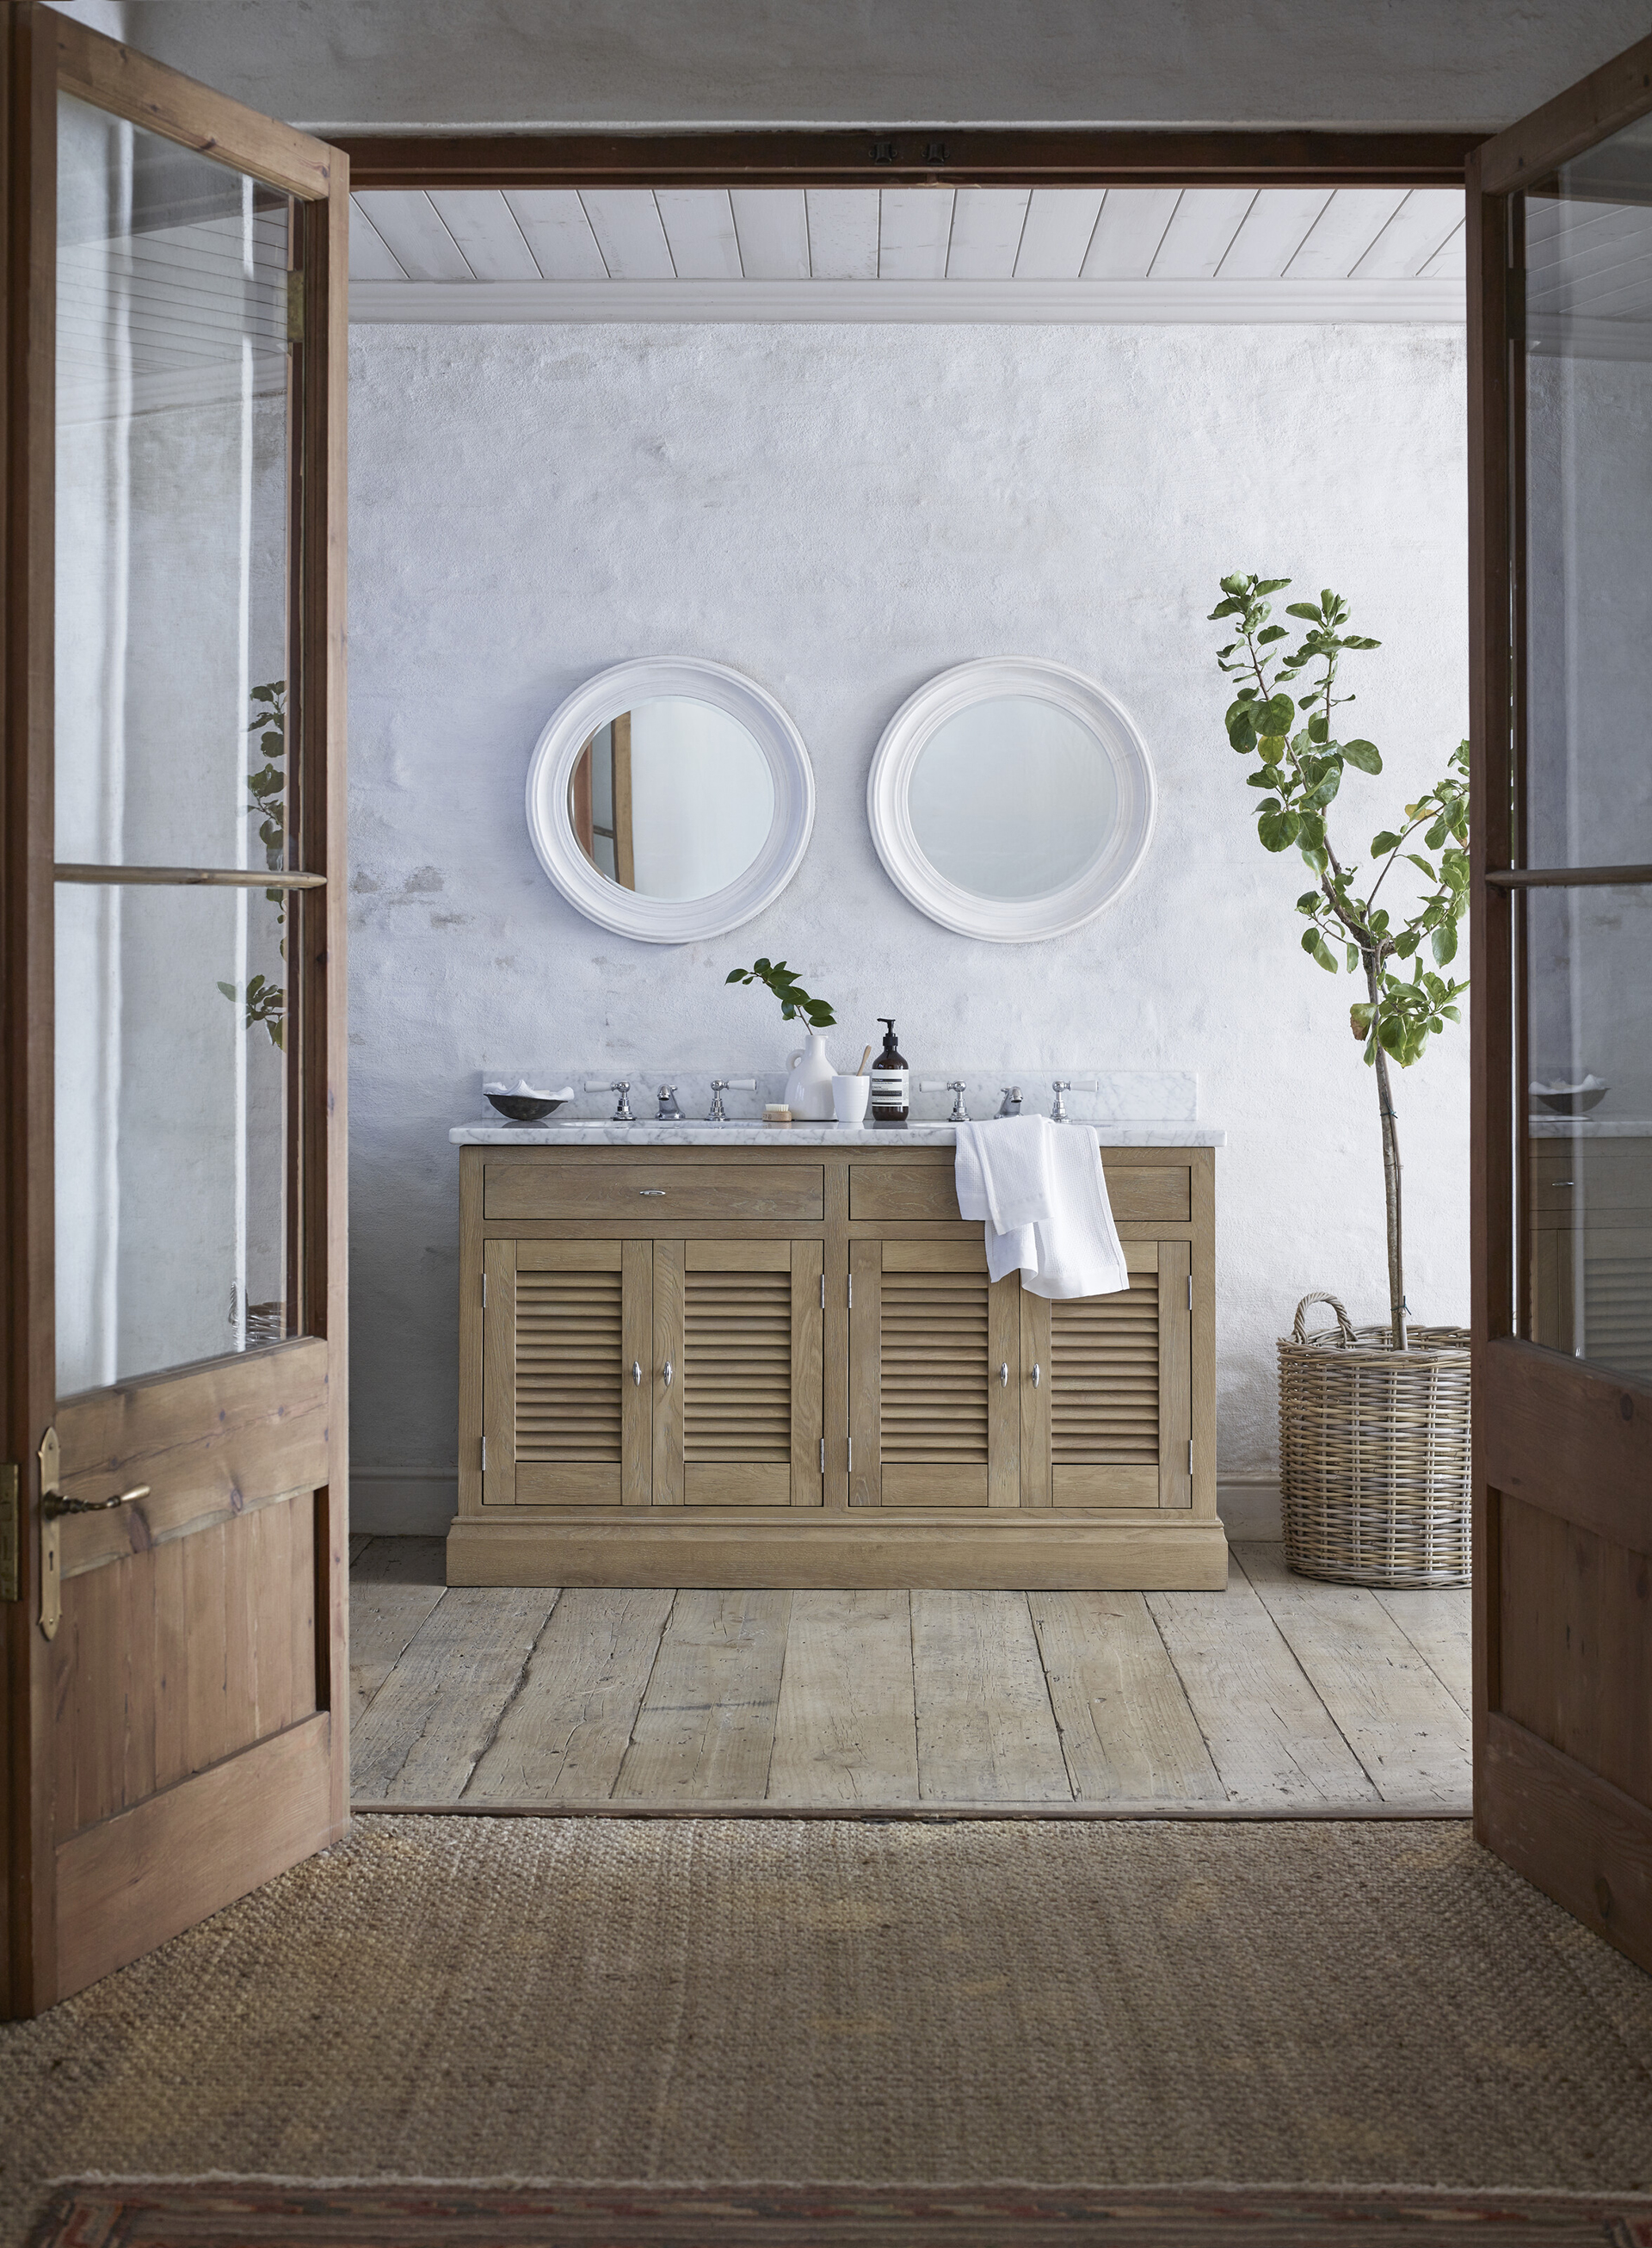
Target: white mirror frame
[669, 920]
[1005, 921]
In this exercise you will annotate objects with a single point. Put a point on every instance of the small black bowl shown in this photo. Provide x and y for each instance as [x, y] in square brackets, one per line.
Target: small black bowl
[524, 1107]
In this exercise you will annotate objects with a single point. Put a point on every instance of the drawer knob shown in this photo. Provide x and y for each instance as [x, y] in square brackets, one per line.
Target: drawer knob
[1003, 1375]
[668, 1373]
[1037, 1375]
[637, 1372]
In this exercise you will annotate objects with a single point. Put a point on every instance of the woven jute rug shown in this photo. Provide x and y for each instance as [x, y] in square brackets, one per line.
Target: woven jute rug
[250, 2215]
[727, 2001]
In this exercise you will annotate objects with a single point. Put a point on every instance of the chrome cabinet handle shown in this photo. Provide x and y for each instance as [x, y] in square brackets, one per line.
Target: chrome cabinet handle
[1037, 1373]
[650, 1190]
[1003, 1375]
[668, 1373]
[637, 1372]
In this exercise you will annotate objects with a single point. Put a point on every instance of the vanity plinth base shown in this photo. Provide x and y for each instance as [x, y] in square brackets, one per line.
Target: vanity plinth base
[939, 1555]
[762, 1365]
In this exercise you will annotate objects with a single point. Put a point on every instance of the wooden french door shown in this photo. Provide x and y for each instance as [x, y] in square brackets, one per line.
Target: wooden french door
[172, 1533]
[1559, 218]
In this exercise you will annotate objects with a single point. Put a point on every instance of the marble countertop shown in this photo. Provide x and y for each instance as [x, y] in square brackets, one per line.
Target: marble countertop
[752, 1132]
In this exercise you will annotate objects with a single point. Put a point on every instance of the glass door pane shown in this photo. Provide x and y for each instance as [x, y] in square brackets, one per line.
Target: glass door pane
[1585, 805]
[1587, 385]
[175, 494]
[1588, 954]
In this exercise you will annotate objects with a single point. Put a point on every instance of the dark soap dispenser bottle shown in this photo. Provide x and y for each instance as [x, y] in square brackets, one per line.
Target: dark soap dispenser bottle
[891, 1079]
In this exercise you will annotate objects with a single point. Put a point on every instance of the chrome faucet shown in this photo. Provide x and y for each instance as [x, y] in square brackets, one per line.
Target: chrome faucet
[957, 1087]
[622, 1086]
[716, 1113]
[668, 1112]
[1011, 1104]
[1061, 1085]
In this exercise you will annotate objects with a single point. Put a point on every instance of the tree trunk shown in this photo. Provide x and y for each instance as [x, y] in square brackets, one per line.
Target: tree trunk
[1390, 1177]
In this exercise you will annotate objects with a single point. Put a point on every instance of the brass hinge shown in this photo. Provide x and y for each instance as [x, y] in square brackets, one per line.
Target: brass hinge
[10, 1535]
[294, 308]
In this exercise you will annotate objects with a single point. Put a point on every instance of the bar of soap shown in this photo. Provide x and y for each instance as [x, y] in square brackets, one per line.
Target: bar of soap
[776, 1112]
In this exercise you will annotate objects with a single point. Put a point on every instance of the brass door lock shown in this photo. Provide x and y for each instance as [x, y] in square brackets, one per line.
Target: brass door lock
[54, 1504]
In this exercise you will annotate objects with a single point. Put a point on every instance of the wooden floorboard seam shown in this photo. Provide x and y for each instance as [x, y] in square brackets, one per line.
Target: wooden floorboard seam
[1336, 1721]
[1192, 1706]
[1049, 1695]
[521, 1680]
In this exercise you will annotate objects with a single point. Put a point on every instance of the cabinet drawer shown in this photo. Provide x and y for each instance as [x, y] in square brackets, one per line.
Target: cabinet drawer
[883, 1193]
[658, 1193]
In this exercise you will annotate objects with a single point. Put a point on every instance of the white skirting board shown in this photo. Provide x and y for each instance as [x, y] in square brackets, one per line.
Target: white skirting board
[403, 1502]
[419, 1502]
[1251, 1510]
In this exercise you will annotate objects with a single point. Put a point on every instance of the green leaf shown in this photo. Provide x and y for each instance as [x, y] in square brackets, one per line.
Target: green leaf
[1308, 903]
[1319, 728]
[1278, 829]
[1304, 609]
[1354, 640]
[228, 990]
[1224, 609]
[1276, 717]
[1353, 958]
[1273, 633]
[1365, 755]
[1271, 584]
[1236, 584]
[1442, 943]
[1386, 842]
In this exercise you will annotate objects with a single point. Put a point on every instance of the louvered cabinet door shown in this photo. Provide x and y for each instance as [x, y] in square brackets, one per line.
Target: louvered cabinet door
[934, 1377]
[739, 1325]
[1107, 1389]
[566, 1352]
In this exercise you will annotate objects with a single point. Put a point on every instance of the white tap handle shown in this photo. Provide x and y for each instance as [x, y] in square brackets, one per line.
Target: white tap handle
[592, 1085]
[934, 1085]
[741, 1084]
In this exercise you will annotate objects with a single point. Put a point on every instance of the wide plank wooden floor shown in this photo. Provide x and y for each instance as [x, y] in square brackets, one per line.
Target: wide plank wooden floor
[1278, 1695]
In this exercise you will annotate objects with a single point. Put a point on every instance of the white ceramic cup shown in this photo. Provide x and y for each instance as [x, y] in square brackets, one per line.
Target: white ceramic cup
[850, 1096]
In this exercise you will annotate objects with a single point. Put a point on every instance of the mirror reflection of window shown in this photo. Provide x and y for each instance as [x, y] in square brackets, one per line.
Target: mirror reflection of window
[672, 799]
[599, 800]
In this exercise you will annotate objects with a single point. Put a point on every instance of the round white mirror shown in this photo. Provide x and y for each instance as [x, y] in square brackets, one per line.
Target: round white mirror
[1011, 799]
[670, 799]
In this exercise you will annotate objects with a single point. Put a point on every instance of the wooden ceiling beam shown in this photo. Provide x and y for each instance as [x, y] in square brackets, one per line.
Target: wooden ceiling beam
[923, 156]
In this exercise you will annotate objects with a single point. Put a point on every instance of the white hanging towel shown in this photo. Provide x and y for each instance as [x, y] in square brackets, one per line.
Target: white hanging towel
[1041, 1193]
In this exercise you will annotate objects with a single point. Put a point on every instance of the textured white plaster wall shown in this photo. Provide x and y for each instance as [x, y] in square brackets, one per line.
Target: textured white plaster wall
[841, 512]
[383, 63]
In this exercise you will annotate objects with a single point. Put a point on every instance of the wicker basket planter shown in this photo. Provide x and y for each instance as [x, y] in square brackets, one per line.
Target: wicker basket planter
[1374, 1453]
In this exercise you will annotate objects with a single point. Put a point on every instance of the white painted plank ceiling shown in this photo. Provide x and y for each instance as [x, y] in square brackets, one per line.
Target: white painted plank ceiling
[1321, 254]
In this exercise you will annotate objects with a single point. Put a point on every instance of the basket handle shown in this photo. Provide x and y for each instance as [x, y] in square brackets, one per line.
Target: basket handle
[1346, 1337]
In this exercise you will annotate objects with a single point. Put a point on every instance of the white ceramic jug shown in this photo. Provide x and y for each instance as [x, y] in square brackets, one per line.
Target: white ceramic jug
[808, 1089]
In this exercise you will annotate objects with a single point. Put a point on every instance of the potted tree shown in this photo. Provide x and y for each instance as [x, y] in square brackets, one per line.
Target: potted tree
[1373, 1432]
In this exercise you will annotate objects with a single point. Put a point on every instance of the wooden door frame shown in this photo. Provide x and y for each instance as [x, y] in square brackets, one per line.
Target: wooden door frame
[1570, 1830]
[42, 51]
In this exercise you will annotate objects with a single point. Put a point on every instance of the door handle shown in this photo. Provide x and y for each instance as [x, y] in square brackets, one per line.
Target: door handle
[1037, 1373]
[668, 1373]
[651, 1190]
[54, 1504]
[1003, 1375]
[637, 1372]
